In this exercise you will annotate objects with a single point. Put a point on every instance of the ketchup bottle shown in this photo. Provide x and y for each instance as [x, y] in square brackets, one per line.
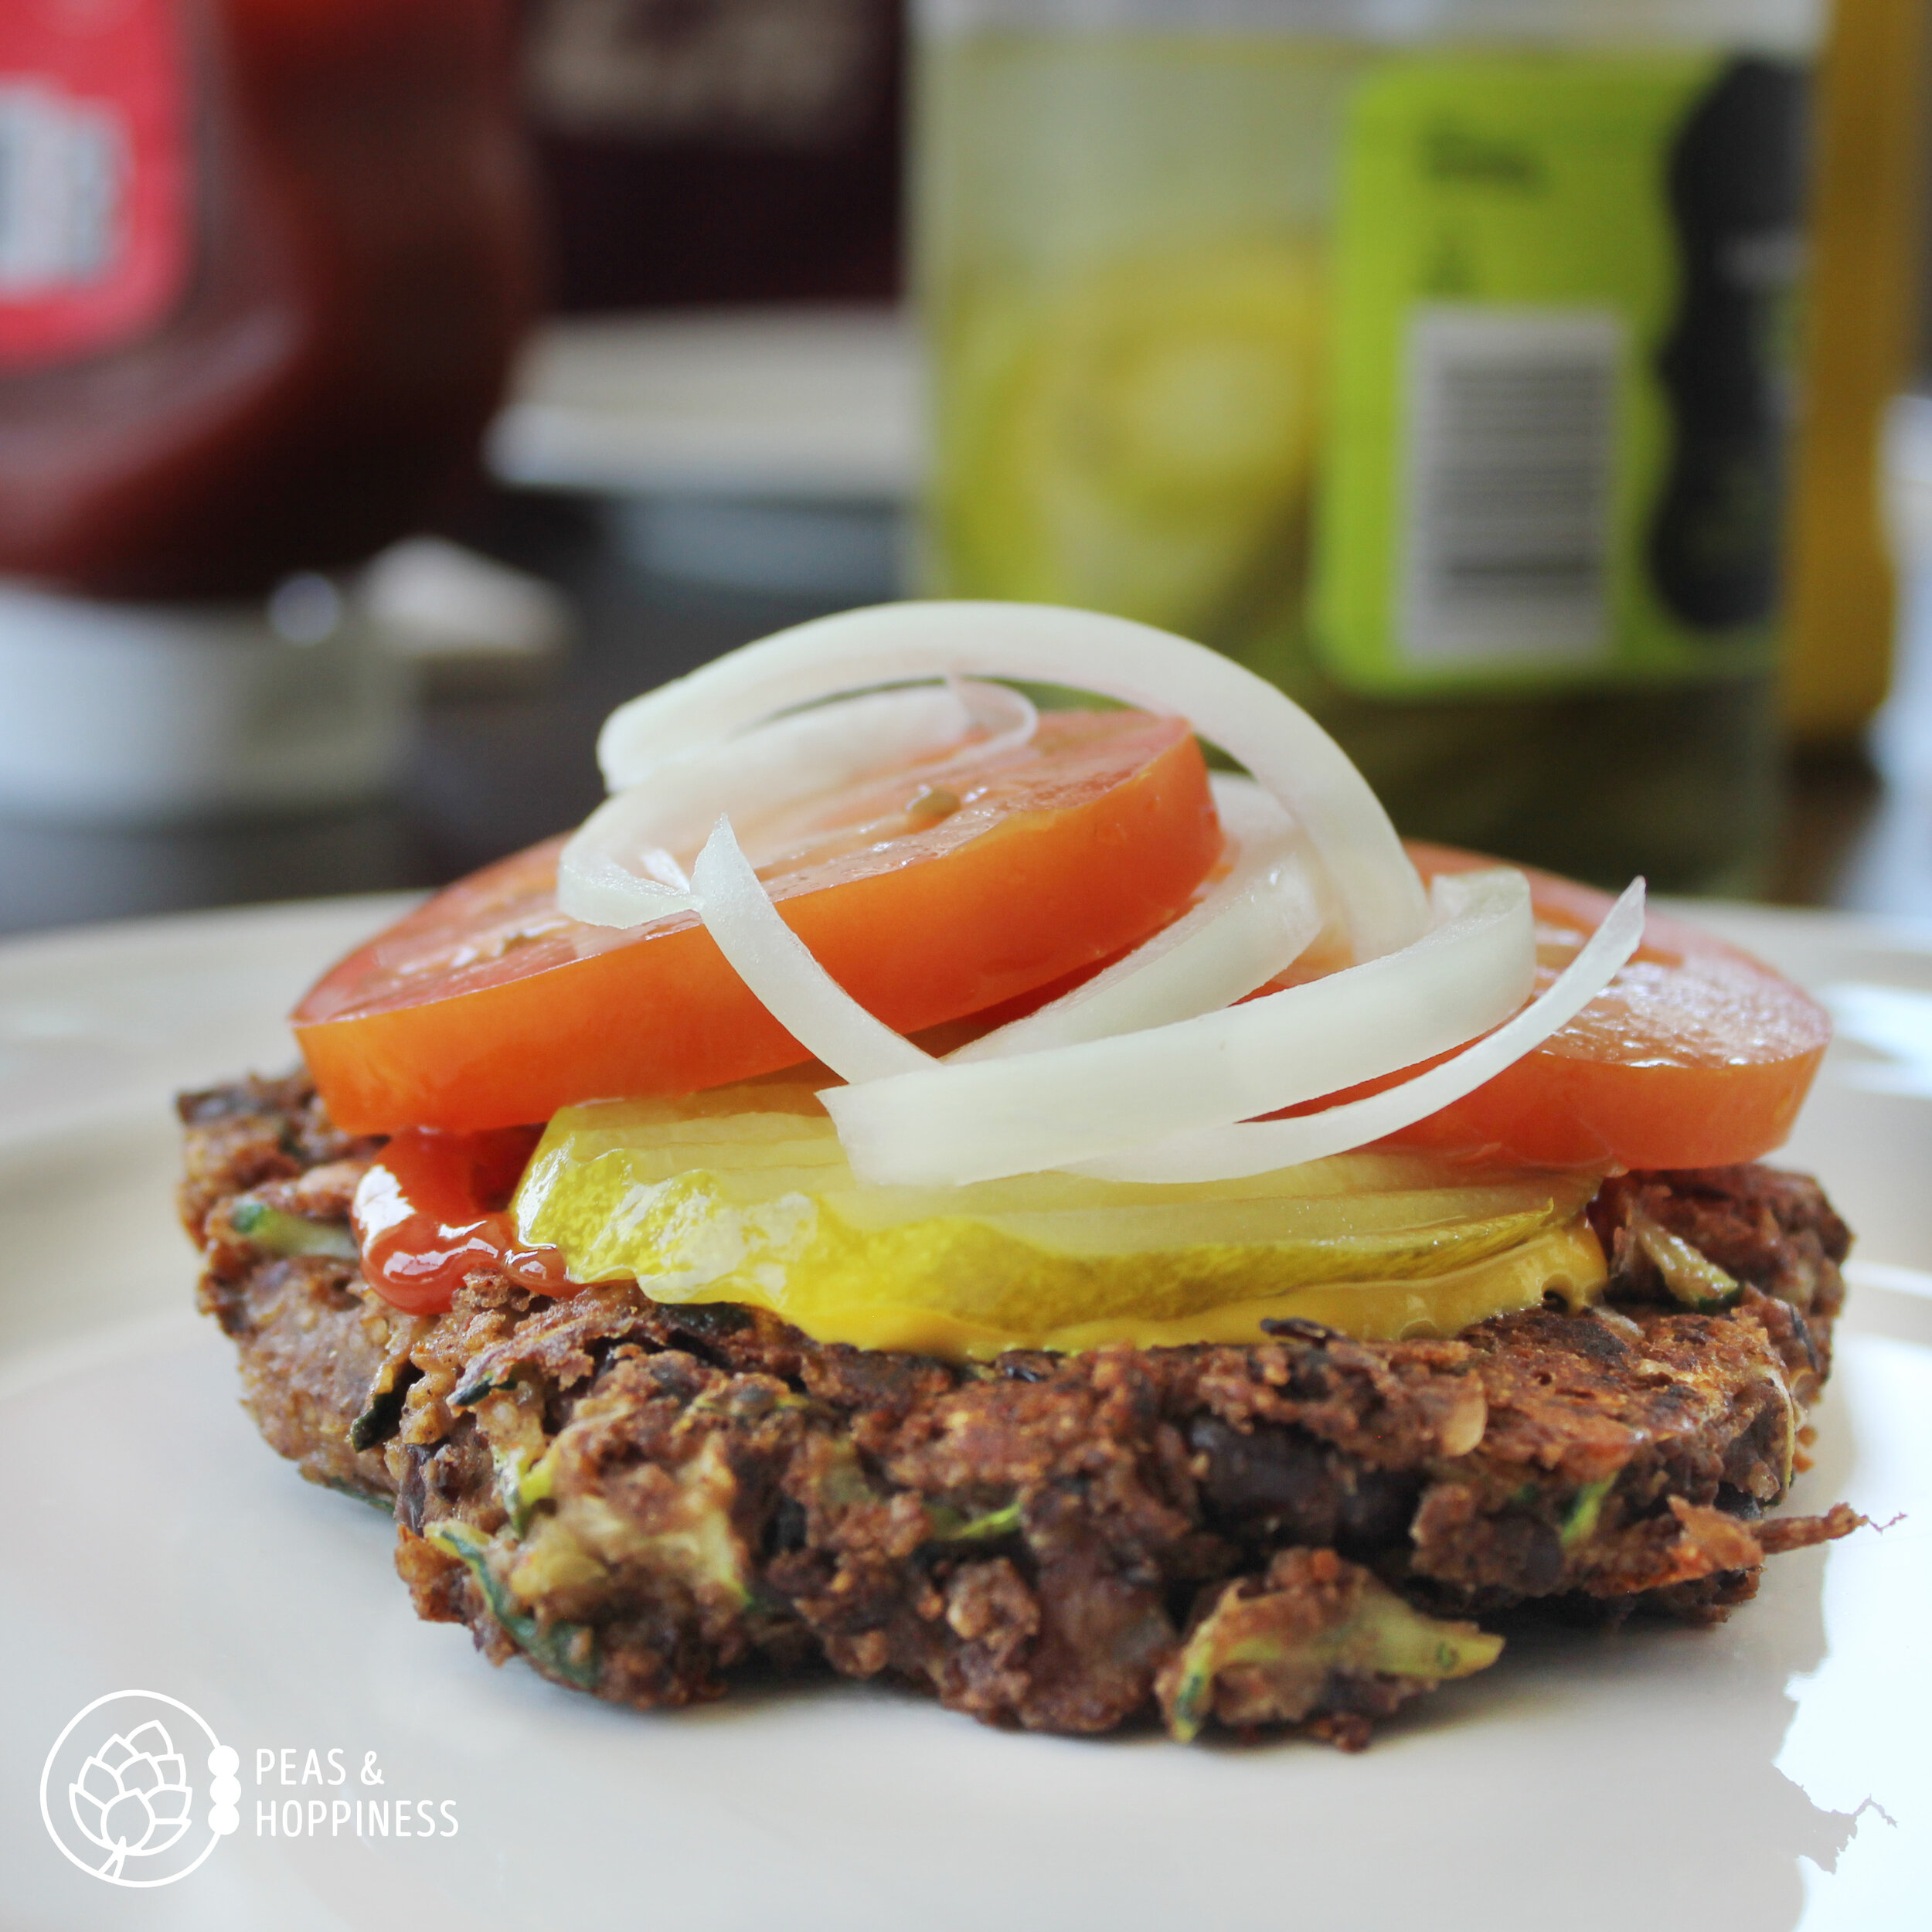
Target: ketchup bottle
[263, 264]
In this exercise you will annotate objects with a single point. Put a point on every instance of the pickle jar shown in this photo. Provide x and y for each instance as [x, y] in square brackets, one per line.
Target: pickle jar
[1433, 359]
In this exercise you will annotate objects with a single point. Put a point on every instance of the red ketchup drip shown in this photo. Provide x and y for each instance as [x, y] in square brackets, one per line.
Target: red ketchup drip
[434, 1209]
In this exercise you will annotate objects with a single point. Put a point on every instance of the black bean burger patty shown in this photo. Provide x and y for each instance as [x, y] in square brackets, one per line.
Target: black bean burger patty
[645, 1500]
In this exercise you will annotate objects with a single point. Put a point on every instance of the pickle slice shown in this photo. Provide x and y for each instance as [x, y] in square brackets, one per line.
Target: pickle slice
[759, 1205]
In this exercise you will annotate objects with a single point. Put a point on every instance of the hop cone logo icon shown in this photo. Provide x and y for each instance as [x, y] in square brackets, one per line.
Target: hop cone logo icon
[132, 1797]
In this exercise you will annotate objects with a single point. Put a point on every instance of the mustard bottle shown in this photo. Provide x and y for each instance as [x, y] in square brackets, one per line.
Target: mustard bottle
[1867, 209]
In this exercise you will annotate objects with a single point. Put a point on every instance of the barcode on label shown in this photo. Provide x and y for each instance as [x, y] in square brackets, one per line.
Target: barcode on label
[62, 162]
[1511, 477]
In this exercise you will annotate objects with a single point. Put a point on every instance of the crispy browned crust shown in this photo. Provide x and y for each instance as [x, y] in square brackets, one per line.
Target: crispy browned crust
[1034, 1540]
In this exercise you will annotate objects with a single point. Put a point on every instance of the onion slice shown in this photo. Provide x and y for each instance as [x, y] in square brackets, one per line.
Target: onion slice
[625, 864]
[1251, 924]
[952, 1123]
[1146, 1073]
[777, 965]
[1380, 898]
[1259, 1146]
[1255, 922]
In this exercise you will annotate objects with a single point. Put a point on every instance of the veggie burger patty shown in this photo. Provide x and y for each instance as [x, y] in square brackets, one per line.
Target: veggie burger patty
[647, 1501]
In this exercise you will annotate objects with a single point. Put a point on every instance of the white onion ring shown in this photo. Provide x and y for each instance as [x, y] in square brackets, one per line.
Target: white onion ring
[1381, 900]
[624, 865]
[1257, 921]
[951, 1124]
[1251, 924]
[777, 965]
[1259, 1146]
[1112, 1080]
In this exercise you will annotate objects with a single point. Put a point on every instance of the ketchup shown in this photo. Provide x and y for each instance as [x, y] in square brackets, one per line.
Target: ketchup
[262, 270]
[434, 1208]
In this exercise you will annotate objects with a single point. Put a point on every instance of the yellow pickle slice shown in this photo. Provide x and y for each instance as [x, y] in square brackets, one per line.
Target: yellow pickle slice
[744, 1195]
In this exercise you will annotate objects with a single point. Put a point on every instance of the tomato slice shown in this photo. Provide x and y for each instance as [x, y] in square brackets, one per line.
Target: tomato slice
[488, 1006]
[1695, 1056]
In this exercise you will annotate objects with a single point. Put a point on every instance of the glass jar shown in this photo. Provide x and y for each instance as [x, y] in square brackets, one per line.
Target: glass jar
[1429, 358]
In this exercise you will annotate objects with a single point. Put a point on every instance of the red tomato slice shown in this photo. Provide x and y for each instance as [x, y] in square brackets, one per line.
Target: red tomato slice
[1695, 1056]
[488, 1006]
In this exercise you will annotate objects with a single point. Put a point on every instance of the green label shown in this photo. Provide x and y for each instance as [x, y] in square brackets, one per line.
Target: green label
[1556, 424]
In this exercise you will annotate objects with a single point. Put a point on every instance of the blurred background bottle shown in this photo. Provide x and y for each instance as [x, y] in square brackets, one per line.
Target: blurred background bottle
[264, 265]
[1434, 360]
[263, 268]
[705, 151]
[1861, 343]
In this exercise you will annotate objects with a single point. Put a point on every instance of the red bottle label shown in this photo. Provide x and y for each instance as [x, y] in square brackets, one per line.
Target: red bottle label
[96, 201]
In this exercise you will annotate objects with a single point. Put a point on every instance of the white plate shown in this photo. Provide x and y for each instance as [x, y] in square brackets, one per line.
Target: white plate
[1772, 1772]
